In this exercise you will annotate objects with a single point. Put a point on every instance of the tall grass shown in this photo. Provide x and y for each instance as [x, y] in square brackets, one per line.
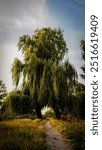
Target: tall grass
[73, 130]
[22, 134]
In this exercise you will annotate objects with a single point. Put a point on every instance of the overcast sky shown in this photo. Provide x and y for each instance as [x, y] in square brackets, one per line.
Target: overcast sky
[18, 17]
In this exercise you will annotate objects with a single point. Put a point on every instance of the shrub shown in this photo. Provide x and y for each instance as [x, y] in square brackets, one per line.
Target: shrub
[76, 134]
[16, 104]
[49, 114]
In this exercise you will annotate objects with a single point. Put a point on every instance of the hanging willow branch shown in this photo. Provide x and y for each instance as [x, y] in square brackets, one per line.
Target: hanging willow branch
[16, 70]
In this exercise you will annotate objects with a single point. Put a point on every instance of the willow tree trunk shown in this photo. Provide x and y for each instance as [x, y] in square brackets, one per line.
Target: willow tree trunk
[38, 111]
[58, 115]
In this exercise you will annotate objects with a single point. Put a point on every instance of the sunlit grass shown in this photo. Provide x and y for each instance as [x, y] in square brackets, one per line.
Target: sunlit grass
[22, 134]
[27, 134]
[73, 130]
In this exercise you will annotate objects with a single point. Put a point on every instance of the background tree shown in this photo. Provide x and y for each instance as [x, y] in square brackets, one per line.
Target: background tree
[16, 103]
[80, 87]
[2, 90]
[82, 45]
[79, 101]
[45, 77]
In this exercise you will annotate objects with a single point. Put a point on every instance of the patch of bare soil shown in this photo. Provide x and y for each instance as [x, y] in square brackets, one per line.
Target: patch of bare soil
[54, 139]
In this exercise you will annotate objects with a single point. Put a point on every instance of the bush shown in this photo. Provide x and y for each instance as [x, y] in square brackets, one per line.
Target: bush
[16, 104]
[76, 134]
[49, 114]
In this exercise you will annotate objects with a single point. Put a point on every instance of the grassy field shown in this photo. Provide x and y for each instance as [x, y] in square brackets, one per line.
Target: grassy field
[22, 134]
[27, 134]
[73, 130]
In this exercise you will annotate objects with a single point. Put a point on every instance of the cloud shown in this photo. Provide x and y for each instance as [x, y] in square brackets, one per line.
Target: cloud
[18, 17]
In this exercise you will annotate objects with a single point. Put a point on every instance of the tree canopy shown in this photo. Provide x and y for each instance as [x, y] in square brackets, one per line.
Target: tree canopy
[44, 75]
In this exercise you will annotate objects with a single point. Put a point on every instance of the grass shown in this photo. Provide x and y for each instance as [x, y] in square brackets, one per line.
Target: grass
[27, 134]
[73, 130]
[22, 134]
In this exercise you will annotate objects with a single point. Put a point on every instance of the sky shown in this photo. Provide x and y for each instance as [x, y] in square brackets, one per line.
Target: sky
[19, 17]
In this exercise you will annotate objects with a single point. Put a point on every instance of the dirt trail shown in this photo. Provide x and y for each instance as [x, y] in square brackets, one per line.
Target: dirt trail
[54, 139]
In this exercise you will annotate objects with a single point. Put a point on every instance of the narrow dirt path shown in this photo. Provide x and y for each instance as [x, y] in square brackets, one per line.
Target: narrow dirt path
[54, 139]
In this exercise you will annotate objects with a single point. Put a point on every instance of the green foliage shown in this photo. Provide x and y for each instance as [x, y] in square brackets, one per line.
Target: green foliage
[76, 135]
[49, 114]
[44, 76]
[16, 103]
[16, 71]
[79, 87]
[2, 90]
[70, 72]
[4, 107]
[79, 105]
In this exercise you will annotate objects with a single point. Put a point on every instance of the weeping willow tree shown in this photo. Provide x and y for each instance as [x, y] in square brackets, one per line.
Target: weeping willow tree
[43, 73]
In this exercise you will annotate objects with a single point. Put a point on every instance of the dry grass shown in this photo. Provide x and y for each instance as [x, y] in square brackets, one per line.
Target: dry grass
[27, 134]
[73, 130]
[22, 134]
